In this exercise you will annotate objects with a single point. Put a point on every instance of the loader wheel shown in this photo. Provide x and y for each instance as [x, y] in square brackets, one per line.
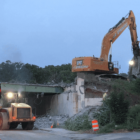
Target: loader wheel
[27, 125]
[4, 125]
[13, 125]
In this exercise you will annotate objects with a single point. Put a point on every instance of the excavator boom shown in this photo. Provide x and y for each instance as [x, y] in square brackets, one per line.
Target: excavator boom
[116, 31]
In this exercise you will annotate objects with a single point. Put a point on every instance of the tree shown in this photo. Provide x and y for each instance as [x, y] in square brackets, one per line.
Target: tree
[20, 72]
[118, 107]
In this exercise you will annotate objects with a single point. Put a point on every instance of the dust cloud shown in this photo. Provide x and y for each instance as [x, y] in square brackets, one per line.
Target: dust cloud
[10, 52]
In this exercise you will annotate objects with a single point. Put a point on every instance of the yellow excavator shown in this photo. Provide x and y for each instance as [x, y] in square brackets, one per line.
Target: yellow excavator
[102, 65]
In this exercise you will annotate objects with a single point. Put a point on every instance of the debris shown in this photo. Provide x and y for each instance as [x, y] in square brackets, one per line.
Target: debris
[50, 118]
[46, 121]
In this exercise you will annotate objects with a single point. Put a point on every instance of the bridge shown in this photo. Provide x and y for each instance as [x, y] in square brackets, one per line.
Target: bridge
[30, 88]
[30, 94]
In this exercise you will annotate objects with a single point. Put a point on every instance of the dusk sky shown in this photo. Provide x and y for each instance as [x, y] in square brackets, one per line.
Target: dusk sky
[53, 32]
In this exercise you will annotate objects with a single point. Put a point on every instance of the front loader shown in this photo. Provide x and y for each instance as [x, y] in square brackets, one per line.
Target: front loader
[17, 113]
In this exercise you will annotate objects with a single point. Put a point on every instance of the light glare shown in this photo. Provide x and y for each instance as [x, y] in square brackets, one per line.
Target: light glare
[10, 95]
[131, 62]
[19, 94]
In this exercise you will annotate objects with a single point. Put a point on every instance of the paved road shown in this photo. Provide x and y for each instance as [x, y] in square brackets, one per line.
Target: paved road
[61, 134]
[29, 135]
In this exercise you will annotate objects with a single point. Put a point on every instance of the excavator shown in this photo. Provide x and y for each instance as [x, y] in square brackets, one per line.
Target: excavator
[102, 65]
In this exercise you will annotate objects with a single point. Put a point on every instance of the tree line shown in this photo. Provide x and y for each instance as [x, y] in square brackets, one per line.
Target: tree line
[27, 73]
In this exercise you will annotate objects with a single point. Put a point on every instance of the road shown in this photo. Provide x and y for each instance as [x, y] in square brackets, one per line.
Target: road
[29, 135]
[62, 134]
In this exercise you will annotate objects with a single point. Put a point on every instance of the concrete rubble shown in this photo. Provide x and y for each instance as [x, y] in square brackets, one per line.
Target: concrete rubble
[86, 111]
[46, 121]
[58, 121]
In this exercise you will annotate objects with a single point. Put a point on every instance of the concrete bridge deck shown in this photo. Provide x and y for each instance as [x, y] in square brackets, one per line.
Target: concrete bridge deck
[30, 88]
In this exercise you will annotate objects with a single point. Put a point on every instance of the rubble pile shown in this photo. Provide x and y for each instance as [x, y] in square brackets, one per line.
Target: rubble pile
[46, 121]
[89, 110]
[58, 121]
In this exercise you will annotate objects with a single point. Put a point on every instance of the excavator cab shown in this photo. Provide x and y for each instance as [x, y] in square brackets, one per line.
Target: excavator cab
[94, 65]
[110, 66]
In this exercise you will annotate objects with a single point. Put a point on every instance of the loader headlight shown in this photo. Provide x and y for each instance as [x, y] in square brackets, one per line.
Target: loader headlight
[9, 94]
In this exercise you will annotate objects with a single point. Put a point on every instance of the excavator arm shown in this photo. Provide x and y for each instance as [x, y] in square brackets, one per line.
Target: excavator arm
[116, 31]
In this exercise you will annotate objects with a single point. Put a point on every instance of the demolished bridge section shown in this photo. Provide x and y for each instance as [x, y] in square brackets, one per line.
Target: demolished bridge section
[87, 91]
[63, 99]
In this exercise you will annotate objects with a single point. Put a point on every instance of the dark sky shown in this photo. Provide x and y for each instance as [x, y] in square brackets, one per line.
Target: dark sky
[53, 32]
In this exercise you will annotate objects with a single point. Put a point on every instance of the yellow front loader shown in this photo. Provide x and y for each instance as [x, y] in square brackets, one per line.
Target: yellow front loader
[17, 113]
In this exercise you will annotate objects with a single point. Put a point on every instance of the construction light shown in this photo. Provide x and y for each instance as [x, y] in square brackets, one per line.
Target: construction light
[10, 95]
[131, 62]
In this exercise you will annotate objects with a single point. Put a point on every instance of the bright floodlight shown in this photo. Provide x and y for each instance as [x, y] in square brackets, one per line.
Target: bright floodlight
[10, 95]
[131, 62]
